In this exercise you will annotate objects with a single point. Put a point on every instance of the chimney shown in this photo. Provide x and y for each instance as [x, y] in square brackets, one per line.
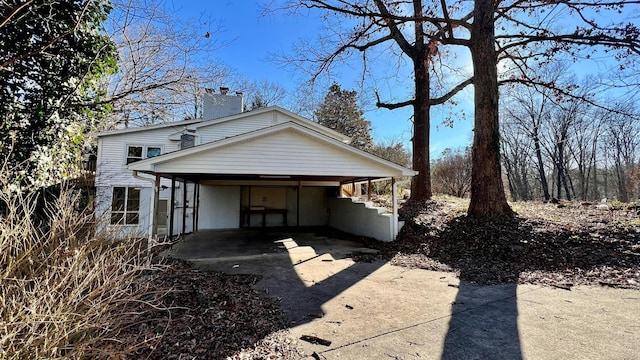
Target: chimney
[215, 106]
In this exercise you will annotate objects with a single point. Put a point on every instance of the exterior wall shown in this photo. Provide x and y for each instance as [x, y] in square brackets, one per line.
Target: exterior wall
[112, 155]
[313, 206]
[111, 171]
[104, 195]
[286, 152]
[217, 131]
[103, 200]
[357, 218]
[219, 207]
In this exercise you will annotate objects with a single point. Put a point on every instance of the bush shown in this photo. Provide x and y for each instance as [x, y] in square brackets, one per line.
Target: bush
[63, 293]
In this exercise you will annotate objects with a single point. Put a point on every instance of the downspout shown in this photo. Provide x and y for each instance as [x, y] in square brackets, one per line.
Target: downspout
[151, 204]
[394, 197]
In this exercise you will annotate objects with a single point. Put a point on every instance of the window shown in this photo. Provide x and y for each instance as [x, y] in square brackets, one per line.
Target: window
[125, 206]
[153, 151]
[136, 152]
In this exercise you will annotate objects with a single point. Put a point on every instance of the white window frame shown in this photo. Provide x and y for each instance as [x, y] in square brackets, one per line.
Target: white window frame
[144, 154]
[125, 211]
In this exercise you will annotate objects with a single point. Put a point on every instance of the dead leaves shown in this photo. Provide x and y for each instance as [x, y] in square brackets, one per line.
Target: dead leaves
[543, 245]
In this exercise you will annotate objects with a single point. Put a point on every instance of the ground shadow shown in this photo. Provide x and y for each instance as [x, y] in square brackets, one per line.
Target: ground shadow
[493, 255]
[299, 267]
[484, 323]
[302, 300]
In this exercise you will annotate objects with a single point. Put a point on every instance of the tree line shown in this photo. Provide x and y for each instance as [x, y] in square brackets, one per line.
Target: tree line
[568, 147]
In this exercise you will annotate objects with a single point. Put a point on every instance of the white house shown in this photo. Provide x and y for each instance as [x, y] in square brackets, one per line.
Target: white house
[232, 169]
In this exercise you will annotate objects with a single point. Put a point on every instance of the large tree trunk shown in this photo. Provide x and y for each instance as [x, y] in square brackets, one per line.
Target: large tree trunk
[487, 190]
[421, 185]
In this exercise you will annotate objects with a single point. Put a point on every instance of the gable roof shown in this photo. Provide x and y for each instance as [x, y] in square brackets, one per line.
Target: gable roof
[284, 149]
[276, 109]
[198, 123]
[176, 124]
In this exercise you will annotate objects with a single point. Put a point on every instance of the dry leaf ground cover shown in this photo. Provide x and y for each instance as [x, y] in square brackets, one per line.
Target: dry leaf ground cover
[139, 309]
[555, 244]
[207, 315]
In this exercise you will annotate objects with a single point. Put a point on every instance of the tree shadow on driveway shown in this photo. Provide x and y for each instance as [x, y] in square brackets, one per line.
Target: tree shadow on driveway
[484, 323]
[304, 269]
[493, 255]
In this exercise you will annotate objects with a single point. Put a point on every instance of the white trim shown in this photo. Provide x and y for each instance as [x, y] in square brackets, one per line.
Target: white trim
[176, 124]
[145, 150]
[149, 164]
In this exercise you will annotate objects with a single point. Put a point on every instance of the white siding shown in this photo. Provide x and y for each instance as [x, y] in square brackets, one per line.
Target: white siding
[111, 164]
[287, 152]
[103, 215]
[218, 131]
[219, 207]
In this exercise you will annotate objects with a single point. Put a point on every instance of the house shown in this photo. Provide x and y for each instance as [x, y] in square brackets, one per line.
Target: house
[232, 169]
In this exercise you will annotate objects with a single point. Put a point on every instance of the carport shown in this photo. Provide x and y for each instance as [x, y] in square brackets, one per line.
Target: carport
[284, 175]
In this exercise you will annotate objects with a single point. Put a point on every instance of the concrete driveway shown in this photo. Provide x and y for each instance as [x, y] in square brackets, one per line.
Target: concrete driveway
[379, 311]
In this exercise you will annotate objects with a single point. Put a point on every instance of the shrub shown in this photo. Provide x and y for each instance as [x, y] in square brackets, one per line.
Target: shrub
[63, 293]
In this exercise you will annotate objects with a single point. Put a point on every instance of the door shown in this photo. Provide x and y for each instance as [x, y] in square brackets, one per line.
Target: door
[163, 217]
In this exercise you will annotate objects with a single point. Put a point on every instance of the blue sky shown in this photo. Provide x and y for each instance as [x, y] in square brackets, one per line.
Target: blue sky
[253, 38]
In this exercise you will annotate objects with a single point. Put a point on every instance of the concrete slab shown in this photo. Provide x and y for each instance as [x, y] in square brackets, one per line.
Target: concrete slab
[379, 311]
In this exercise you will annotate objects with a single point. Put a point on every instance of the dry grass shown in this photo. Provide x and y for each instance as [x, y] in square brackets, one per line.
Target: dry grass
[63, 292]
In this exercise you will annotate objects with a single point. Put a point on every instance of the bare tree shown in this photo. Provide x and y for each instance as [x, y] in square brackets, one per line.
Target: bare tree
[261, 93]
[516, 147]
[583, 145]
[529, 34]
[525, 110]
[452, 172]
[161, 73]
[622, 143]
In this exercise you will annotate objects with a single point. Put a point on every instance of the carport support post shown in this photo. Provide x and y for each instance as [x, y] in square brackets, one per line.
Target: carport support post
[298, 203]
[173, 204]
[394, 201]
[196, 206]
[184, 208]
[153, 225]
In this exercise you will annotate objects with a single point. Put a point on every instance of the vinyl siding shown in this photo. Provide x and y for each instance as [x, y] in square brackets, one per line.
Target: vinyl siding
[111, 166]
[218, 131]
[287, 152]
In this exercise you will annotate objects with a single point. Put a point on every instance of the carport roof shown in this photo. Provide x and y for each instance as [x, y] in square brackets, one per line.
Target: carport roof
[287, 150]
